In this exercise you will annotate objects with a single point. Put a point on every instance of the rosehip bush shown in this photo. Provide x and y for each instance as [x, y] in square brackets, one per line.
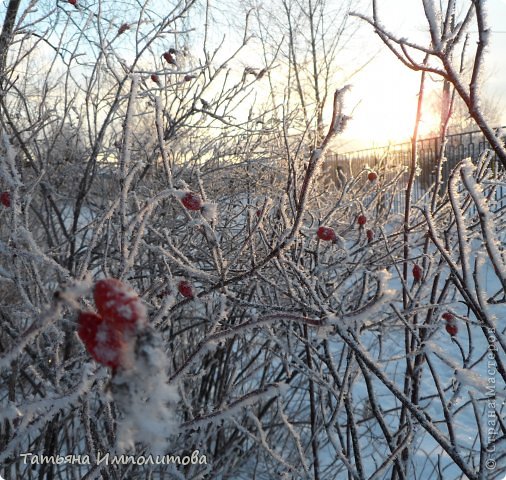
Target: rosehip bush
[297, 358]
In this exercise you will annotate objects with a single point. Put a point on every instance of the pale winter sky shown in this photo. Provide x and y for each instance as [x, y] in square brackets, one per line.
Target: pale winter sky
[384, 94]
[383, 97]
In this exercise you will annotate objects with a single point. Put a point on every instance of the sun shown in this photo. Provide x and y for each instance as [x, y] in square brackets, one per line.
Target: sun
[384, 108]
[429, 125]
[389, 121]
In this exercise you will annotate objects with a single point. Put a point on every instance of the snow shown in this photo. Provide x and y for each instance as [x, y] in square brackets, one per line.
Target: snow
[210, 212]
[433, 21]
[492, 244]
[145, 399]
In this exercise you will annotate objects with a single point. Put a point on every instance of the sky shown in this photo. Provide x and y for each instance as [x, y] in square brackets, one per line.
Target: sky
[383, 97]
[384, 94]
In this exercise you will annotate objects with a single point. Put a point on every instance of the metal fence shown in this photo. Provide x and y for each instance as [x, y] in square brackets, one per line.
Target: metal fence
[393, 162]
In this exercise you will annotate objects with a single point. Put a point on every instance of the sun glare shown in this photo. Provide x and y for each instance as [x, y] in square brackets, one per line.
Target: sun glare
[390, 121]
[384, 103]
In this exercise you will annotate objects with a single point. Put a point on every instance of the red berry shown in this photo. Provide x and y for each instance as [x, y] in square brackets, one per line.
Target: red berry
[192, 201]
[102, 340]
[370, 235]
[5, 199]
[72, 2]
[189, 78]
[259, 213]
[123, 28]
[185, 288]
[361, 219]
[110, 347]
[88, 324]
[372, 176]
[119, 304]
[452, 329]
[155, 78]
[326, 233]
[169, 58]
[417, 272]
[448, 316]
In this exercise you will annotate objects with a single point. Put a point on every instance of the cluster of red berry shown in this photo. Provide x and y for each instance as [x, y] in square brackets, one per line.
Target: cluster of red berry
[156, 78]
[327, 234]
[451, 324]
[191, 201]
[169, 57]
[110, 335]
